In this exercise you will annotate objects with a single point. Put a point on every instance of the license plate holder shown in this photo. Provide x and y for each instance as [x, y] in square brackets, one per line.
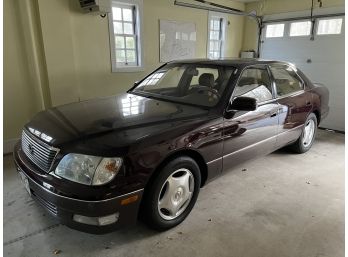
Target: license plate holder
[25, 181]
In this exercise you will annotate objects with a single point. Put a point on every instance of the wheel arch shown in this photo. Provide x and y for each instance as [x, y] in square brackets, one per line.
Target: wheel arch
[317, 114]
[196, 156]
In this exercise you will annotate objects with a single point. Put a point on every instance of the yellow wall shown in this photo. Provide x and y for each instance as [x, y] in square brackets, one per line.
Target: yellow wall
[20, 96]
[267, 7]
[74, 48]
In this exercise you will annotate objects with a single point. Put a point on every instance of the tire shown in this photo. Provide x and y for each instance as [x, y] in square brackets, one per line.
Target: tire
[303, 144]
[168, 187]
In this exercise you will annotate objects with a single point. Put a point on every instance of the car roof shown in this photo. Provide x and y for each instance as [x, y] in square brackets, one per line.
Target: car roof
[236, 62]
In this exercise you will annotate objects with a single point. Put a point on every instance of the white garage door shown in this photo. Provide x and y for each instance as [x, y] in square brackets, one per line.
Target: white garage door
[321, 59]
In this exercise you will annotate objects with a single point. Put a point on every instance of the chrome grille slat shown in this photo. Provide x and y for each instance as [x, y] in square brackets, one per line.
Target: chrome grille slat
[48, 156]
[29, 139]
[38, 152]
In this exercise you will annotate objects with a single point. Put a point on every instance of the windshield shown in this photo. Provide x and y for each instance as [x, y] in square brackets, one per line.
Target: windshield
[187, 83]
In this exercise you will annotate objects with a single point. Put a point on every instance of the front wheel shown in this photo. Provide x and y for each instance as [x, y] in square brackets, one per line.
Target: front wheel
[172, 194]
[305, 141]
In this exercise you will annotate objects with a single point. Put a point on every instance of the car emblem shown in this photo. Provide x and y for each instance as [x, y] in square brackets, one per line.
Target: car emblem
[31, 149]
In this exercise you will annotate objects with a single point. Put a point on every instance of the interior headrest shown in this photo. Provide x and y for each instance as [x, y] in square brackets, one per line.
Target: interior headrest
[206, 79]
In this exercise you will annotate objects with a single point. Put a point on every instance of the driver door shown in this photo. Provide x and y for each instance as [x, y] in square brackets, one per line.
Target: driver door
[251, 133]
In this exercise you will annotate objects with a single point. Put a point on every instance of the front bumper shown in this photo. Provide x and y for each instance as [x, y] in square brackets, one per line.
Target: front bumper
[64, 208]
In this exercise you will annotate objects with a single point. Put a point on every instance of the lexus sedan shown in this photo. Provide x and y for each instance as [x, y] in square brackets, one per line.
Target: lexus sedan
[101, 164]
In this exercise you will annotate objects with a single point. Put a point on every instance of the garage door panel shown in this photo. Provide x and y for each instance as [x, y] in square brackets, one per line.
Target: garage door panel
[321, 59]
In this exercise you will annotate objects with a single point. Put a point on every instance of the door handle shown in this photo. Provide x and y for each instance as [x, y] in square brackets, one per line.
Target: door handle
[274, 114]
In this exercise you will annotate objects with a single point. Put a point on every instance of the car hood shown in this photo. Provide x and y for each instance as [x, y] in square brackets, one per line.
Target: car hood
[82, 120]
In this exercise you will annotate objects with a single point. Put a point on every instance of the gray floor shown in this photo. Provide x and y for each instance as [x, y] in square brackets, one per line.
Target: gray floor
[282, 205]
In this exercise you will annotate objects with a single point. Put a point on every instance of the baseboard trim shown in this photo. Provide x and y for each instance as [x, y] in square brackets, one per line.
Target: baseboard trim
[9, 145]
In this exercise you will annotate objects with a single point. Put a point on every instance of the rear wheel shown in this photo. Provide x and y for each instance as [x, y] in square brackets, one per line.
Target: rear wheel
[172, 194]
[305, 141]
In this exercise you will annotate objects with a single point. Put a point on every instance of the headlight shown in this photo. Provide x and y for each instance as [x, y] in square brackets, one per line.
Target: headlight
[87, 169]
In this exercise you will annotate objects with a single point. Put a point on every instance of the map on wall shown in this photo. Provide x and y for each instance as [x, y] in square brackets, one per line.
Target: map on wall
[177, 40]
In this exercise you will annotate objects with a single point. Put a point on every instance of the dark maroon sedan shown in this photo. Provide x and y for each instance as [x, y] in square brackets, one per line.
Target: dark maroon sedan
[98, 165]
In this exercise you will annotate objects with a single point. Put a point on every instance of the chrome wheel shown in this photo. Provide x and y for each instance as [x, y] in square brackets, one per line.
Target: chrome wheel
[308, 133]
[176, 194]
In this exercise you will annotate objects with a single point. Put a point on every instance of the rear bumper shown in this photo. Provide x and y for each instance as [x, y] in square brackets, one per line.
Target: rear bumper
[64, 208]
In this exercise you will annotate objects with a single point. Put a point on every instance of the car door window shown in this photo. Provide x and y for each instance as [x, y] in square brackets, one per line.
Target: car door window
[286, 80]
[254, 82]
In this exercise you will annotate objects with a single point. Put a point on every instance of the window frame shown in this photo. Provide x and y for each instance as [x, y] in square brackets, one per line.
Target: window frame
[222, 39]
[138, 35]
[294, 69]
[270, 75]
[298, 21]
[329, 18]
[276, 23]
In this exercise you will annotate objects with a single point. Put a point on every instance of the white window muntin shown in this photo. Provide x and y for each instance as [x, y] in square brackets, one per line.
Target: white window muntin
[125, 28]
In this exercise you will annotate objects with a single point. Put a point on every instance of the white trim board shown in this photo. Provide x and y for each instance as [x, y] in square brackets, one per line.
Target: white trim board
[9, 144]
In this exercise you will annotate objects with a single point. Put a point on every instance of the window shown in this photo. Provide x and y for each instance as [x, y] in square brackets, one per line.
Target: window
[275, 30]
[215, 41]
[287, 81]
[125, 36]
[329, 26]
[255, 83]
[195, 79]
[301, 28]
[201, 85]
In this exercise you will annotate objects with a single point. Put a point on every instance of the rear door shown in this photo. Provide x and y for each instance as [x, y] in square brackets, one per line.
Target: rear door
[249, 134]
[295, 103]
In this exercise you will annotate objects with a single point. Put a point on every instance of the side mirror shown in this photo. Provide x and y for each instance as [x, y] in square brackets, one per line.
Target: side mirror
[243, 103]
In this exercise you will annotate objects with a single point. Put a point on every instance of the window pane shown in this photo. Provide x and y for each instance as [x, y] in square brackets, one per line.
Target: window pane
[130, 56]
[118, 28]
[211, 45]
[211, 24]
[255, 83]
[130, 42]
[119, 41]
[275, 30]
[286, 80]
[302, 28]
[193, 36]
[217, 25]
[128, 28]
[184, 36]
[330, 26]
[127, 14]
[217, 46]
[214, 35]
[116, 13]
[120, 56]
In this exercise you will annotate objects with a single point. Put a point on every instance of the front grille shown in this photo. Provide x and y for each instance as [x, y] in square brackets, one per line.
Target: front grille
[48, 205]
[38, 152]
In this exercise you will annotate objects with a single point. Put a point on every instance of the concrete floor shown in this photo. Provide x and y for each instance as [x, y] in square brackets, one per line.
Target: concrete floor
[283, 205]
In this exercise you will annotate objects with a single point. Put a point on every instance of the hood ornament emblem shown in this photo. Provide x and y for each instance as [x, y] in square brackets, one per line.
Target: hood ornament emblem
[31, 149]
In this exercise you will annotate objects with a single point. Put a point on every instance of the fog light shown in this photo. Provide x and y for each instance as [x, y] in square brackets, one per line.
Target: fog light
[97, 221]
